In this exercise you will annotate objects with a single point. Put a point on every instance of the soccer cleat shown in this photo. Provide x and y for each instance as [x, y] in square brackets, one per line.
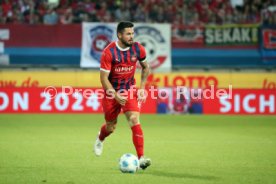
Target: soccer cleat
[144, 162]
[98, 147]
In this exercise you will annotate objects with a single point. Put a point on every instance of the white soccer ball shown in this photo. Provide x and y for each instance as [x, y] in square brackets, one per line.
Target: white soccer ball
[128, 163]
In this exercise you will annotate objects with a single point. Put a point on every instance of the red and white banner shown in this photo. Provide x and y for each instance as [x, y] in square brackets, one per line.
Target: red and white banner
[88, 100]
[156, 38]
[243, 101]
[187, 36]
[56, 100]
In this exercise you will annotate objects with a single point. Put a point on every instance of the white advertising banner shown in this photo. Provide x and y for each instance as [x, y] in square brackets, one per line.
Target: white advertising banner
[95, 37]
[2, 47]
[4, 34]
[156, 38]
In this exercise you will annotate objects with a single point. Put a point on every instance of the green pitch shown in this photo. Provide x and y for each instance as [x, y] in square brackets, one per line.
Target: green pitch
[184, 149]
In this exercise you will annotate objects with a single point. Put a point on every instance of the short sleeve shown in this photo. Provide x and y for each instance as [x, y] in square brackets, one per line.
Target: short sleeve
[106, 61]
[142, 53]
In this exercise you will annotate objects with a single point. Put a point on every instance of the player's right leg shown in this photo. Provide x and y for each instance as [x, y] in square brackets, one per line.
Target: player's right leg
[111, 111]
[106, 129]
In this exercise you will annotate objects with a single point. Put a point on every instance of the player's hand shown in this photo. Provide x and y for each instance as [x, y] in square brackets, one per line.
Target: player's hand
[121, 99]
[141, 96]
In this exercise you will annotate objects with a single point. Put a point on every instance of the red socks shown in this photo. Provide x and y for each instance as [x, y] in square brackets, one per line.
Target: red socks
[104, 133]
[138, 139]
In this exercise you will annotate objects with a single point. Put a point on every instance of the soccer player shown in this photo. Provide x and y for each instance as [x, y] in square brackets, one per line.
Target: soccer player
[118, 64]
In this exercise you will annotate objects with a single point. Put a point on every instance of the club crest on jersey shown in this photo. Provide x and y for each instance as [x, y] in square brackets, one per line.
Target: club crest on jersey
[117, 60]
[154, 43]
[100, 36]
[133, 58]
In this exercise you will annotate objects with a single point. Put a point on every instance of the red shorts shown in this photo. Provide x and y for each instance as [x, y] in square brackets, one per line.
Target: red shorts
[112, 108]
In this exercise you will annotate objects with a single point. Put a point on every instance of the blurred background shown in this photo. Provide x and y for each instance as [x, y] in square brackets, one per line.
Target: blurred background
[192, 43]
[218, 55]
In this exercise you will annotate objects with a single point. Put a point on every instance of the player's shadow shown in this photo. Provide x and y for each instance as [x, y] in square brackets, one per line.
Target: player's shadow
[180, 175]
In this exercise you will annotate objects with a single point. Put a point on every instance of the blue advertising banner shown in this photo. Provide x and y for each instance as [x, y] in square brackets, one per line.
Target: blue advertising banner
[268, 44]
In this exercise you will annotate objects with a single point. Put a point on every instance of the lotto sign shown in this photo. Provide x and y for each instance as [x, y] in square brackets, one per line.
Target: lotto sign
[256, 80]
[243, 101]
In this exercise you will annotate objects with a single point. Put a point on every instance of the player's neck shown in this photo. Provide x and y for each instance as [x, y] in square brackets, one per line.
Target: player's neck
[121, 46]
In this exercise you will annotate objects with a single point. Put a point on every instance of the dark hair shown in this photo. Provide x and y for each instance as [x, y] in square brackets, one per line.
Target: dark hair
[122, 25]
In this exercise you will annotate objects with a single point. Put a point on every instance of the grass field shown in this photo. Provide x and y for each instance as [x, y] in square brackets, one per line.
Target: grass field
[184, 149]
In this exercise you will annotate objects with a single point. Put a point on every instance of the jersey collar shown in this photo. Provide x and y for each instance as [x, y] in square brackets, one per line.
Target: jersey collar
[120, 48]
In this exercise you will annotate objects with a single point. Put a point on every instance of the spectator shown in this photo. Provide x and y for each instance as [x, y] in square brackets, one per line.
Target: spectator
[140, 14]
[153, 13]
[268, 13]
[67, 17]
[237, 3]
[51, 17]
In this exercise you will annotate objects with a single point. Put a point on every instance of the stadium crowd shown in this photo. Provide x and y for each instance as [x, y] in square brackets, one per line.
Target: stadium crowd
[182, 12]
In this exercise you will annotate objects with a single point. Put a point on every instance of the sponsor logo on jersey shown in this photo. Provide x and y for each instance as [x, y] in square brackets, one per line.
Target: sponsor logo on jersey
[133, 58]
[121, 69]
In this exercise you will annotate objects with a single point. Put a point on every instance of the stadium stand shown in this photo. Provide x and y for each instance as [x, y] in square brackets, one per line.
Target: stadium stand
[187, 12]
[187, 17]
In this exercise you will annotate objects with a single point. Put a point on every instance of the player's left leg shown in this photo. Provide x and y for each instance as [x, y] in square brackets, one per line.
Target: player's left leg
[137, 137]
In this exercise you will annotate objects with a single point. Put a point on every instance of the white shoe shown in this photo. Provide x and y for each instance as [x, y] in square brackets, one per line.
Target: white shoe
[98, 147]
[144, 162]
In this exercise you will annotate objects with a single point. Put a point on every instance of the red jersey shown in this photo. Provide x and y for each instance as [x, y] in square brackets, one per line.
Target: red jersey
[121, 63]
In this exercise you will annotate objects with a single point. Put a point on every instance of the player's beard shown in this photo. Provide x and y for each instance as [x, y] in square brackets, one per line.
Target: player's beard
[127, 44]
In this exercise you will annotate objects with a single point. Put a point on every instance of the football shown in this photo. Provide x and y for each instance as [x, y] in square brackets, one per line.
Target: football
[128, 163]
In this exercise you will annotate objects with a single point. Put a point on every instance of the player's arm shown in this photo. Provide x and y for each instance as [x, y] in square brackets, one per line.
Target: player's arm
[144, 65]
[105, 82]
[144, 76]
[109, 88]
